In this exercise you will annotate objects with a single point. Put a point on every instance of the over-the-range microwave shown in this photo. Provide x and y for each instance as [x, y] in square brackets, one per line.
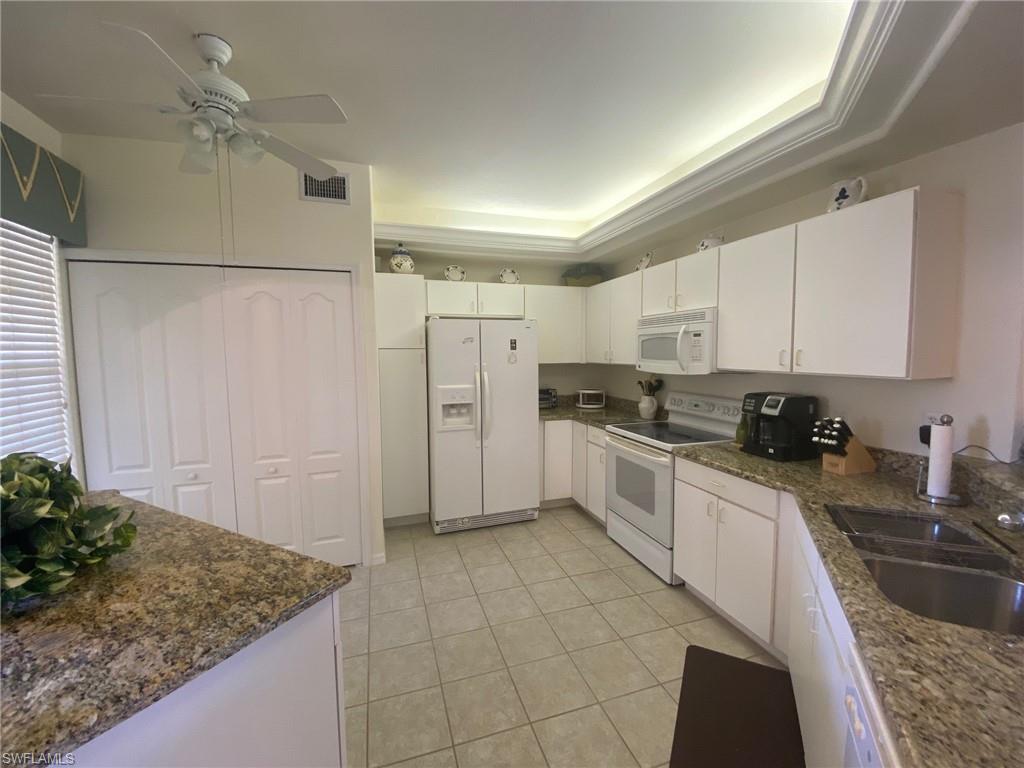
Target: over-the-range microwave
[679, 343]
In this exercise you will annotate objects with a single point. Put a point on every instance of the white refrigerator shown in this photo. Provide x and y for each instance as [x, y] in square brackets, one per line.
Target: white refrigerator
[483, 414]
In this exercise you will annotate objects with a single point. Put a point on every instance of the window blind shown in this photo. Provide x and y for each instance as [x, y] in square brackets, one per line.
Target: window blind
[33, 392]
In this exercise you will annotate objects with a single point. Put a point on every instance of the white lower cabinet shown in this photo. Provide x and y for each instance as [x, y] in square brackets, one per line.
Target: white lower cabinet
[558, 474]
[746, 567]
[695, 538]
[723, 550]
[595, 481]
[579, 463]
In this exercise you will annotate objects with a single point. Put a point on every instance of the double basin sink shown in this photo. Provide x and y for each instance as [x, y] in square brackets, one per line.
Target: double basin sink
[935, 567]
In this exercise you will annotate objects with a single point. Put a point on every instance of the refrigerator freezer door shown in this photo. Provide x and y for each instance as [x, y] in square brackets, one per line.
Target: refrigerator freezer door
[511, 449]
[453, 366]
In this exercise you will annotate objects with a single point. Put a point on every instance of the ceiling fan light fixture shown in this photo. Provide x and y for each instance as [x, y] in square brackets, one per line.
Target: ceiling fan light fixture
[198, 134]
[249, 153]
[198, 162]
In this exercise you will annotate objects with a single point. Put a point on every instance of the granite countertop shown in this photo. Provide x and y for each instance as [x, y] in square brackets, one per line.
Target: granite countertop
[185, 597]
[594, 418]
[954, 695]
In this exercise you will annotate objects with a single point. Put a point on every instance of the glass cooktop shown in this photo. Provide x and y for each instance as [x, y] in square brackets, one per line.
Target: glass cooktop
[668, 433]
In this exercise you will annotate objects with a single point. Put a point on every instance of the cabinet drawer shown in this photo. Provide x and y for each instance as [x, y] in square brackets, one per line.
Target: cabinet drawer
[596, 435]
[758, 498]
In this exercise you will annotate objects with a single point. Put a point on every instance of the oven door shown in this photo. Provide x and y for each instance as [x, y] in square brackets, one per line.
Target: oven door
[657, 349]
[639, 487]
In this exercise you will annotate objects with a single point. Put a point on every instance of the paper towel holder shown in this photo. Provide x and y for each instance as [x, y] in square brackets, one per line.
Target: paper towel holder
[952, 500]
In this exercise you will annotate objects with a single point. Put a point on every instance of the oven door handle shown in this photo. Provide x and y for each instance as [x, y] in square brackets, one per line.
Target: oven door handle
[645, 454]
[679, 347]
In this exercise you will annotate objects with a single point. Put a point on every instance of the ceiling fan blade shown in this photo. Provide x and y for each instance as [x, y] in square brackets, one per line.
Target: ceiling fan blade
[147, 46]
[292, 155]
[94, 101]
[317, 108]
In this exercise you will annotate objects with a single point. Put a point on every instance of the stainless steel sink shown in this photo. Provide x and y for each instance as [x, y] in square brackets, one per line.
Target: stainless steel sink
[936, 567]
[971, 598]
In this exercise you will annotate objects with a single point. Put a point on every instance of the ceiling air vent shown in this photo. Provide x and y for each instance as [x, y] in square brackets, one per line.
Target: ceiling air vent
[332, 190]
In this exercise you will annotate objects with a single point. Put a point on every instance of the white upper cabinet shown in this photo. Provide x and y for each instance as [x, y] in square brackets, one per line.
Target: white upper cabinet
[613, 308]
[624, 299]
[445, 298]
[876, 288]
[755, 302]
[474, 299]
[499, 300]
[598, 323]
[560, 313]
[690, 282]
[659, 289]
[401, 304]
[697, 280]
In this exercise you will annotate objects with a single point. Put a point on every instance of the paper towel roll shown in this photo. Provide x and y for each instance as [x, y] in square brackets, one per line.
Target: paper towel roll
[940, 459]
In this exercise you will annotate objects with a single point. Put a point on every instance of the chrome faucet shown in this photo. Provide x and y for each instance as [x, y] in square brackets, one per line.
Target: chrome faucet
[1011, 521]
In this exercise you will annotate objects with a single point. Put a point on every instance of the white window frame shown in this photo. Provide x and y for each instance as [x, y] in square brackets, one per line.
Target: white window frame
[16, 237]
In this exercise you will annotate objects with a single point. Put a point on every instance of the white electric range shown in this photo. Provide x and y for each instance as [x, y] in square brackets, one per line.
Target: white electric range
[640, 472]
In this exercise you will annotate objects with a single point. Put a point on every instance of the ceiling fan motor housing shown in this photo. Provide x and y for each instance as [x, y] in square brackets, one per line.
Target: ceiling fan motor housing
[223, 94]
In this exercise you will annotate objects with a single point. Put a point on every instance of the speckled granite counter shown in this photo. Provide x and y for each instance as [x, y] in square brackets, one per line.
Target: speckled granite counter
[185, 597]
[954, 695]
[594, 418]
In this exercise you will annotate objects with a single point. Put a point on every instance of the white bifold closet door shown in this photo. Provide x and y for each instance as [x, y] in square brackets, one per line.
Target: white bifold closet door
[291, 374]
[152, 385]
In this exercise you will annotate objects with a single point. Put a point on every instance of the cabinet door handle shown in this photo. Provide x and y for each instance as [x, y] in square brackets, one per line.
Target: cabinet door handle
[721, 517]
[679, 300]
[711, 508]
[670, 302]
[799, 357]
[716, 483]
[601, 456]
[782, 358]
[192, 476]
[272, 471]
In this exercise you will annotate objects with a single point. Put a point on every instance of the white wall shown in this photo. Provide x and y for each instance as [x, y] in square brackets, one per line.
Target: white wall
[985, 396]
[28, 124]
[138, 201]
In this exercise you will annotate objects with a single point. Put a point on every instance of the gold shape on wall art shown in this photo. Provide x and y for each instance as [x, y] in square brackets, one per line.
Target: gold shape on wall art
[72, 207]
[25, 181]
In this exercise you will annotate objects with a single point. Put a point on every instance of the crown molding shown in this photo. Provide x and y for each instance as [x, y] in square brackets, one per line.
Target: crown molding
[453, 240]
[879, 66]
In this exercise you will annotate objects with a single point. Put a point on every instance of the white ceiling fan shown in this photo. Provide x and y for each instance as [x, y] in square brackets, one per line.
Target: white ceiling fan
[216, 107]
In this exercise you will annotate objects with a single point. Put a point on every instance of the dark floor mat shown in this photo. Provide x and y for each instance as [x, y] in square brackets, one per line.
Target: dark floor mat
[735, 714]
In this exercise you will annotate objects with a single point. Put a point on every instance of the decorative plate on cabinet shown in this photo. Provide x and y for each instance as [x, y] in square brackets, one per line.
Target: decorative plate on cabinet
[508, 275]
[453, 273]
[645, 261]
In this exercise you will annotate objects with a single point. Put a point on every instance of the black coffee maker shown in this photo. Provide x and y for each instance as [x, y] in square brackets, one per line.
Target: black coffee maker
[779, 425]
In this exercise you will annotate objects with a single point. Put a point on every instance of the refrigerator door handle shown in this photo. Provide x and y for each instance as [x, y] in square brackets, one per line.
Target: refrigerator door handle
[487, 405]
[478, 423]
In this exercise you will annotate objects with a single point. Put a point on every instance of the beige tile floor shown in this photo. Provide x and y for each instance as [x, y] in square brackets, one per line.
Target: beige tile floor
[530, 644]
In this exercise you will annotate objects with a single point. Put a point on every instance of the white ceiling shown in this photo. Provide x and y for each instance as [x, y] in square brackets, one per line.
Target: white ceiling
[519, 117]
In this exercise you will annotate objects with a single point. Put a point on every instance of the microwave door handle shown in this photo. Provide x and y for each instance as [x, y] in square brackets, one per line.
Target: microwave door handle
[679, 347]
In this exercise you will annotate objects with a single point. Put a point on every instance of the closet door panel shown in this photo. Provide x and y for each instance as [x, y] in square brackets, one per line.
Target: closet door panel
[256, 322]
[200, 479]
[150, 365]
[323, 345]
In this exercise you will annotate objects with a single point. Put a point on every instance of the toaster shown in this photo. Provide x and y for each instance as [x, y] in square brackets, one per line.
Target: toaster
[548, 397]
[590, 398]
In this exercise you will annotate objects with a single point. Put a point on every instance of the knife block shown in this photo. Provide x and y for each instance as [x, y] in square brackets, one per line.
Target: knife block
[857, 460]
